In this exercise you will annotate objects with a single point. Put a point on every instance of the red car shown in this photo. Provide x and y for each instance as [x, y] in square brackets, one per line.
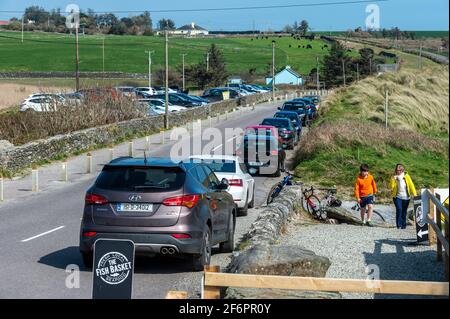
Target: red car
[264, 129]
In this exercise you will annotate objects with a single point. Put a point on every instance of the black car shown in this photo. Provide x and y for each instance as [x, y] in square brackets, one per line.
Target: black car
[217, 94]
[286, 131]
[296, 106]
[294, 117]
[262, 155]
[164, 207]
[177, 99]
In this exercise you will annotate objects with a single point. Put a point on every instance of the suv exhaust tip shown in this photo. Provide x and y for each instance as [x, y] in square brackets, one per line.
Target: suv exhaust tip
[164, 251]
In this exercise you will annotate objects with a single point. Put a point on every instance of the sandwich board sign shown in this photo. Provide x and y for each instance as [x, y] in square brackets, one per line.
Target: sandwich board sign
[113, 269]
[420, 217]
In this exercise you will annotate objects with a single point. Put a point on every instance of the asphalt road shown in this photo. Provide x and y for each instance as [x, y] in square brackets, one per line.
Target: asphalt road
[39, 239]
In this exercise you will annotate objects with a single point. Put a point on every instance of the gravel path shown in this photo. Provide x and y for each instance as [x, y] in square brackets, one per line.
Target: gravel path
[352, 248]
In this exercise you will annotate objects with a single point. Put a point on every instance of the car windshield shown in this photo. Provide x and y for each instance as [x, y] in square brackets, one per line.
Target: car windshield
[278, 123]
[293, 107]
[221, 166]
[130, 178]
[260, 144]
[286, 116]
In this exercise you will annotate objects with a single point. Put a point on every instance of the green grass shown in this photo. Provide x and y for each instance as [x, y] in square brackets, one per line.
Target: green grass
[55, 52]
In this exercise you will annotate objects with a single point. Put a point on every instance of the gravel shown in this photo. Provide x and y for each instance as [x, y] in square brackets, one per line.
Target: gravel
[353, 248]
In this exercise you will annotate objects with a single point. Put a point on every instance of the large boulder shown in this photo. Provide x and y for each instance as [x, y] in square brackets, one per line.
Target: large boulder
[278, 261]
[349, 216]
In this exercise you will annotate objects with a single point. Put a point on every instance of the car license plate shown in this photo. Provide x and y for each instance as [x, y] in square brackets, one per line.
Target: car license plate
[131, 207]
[255, 164]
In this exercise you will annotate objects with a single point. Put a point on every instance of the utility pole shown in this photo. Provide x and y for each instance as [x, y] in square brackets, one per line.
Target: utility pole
[343, 72]
[420, 56]
[357, 72]
[150, 67]
[22, 29]
[184, 78]
[77, 60]
[207, 61]
[273, 70]
[370, 66]
[318, 76]
[103, 56]
[166, 114]
[386, 108]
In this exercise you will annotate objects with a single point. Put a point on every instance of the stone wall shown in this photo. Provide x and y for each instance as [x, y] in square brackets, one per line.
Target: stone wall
[13, 159]
[107, 75]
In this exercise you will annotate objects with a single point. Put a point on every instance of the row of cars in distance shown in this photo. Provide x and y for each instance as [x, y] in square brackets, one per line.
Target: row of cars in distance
[186, 207]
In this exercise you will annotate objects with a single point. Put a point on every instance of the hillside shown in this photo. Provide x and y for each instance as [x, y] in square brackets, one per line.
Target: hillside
[127, 53]
[351, 131]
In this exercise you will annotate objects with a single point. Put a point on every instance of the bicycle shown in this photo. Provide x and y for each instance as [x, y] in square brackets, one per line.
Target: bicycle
[357, 208]
[277, 188]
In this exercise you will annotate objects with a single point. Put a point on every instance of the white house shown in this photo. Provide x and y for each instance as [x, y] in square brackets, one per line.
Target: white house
[286, 76]
[190, 30]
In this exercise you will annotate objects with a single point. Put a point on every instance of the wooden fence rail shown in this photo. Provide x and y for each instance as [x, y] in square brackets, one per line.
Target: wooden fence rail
[213, 281]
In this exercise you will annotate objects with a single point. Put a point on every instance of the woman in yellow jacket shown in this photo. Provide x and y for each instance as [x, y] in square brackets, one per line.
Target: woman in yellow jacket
[402, 188]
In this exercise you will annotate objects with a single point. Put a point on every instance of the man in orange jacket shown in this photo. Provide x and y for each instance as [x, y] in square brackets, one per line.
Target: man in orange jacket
[365, 190]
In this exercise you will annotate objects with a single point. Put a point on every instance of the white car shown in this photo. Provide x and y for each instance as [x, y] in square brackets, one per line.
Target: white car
[162, 90]
[41, 103]
[146, 89]
[242, 184]
[159, 105]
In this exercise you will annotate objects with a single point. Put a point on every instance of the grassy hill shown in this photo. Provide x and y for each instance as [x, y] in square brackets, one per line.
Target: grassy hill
[55, 52]
[351, 131]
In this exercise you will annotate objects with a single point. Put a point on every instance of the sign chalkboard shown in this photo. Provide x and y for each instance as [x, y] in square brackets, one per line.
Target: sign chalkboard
[113, 269]
[421, 224]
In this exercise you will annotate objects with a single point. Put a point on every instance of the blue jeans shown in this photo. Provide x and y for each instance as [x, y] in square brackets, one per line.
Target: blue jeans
[401, 210]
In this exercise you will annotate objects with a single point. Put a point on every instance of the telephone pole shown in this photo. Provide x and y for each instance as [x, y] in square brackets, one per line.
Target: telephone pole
[22, 29]
[343, 72]
[166, 114]
[318, 76]
[103, 56]
[77, 60]
[420, 56]
[184, 78]
[207, 61]
[150, 67]
[357, 72]
[273, 70]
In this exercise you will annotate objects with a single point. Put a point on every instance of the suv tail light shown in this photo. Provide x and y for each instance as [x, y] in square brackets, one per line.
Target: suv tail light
[181, 236]
[93, 199]
[274, 152]
[235, 182]
[89, 234]
[188, 201]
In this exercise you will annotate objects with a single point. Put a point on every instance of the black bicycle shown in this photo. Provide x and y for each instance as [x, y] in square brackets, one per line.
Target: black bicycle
[357, 208]
[277, 188]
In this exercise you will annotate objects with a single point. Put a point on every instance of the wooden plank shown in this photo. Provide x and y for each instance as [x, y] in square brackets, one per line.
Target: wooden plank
[438, 205]
[446, 252]
[439, 226]
[177, 295]
[327, 284]
[431, 231]
[439, 235]
[211, 291]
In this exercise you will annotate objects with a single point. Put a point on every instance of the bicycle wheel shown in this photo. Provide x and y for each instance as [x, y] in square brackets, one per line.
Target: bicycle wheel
[381, 216]
[313, 205]
[273, 193]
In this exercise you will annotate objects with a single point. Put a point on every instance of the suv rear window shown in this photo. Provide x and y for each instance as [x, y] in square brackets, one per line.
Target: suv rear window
[221, 166]
[146, 179]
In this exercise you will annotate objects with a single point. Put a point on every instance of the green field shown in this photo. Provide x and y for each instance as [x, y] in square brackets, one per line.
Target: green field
[55, 52]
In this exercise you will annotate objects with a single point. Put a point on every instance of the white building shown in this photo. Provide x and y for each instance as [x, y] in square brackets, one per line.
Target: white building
[190, 30]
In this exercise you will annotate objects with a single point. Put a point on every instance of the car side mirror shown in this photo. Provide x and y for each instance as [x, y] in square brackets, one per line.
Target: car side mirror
[224, 184]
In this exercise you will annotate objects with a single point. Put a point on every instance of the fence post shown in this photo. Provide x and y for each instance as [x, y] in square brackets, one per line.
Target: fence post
[64, 174]
[147, 143]
[386, 108]
[439, 225]
[211, 292]
[210, 121]
[34, 180]
[431, 233]
[226, 115]
[253, 106]
[130, 148]
[2, 198]
[88, 163]
[162, 137]
[446, 253]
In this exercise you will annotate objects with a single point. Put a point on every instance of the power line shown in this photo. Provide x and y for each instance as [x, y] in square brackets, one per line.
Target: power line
[320, 4]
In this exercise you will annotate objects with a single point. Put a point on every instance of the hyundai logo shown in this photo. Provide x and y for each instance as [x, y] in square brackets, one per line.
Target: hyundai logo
[134, 198]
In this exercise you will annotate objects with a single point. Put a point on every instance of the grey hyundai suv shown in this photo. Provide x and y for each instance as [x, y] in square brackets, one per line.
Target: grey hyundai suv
[164, 207]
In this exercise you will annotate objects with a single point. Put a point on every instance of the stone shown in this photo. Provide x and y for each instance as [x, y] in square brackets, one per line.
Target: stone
[279, 260]
[348, 216]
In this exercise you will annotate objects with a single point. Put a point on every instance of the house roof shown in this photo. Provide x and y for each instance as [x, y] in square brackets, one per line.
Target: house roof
[191, 27]
[289, 69]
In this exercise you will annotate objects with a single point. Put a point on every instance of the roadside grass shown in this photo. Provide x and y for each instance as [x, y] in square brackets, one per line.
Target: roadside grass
[351, 131]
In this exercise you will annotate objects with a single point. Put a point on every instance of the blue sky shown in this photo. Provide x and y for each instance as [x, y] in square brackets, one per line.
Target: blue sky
[406, 14]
